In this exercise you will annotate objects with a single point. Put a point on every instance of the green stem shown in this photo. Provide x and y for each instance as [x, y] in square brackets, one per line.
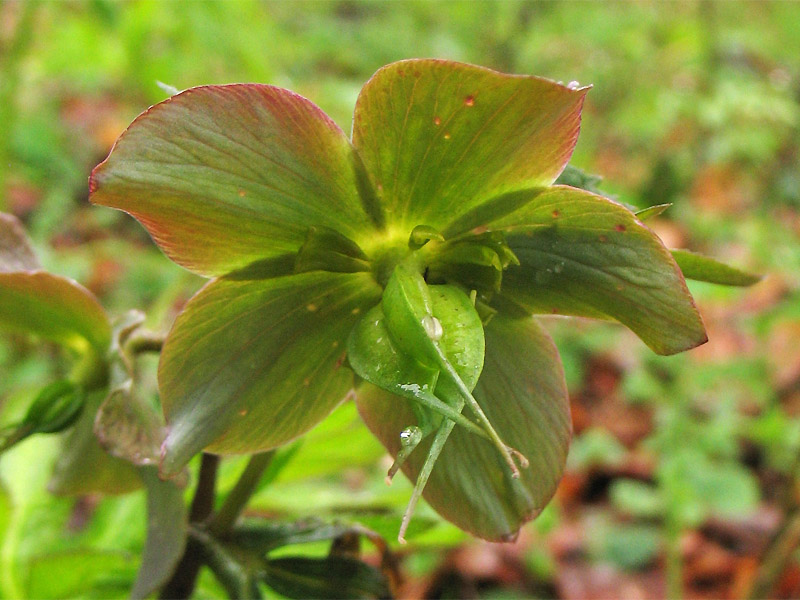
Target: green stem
[143, 341]
[182, 582]
[228, 571]
[237, 499]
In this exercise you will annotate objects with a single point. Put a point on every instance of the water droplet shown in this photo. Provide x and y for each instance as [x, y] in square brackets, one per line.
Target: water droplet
[242, 193]
[603, 238]
[243, 412]
[556, 214]
[312, 307]
[355, 311]
[469, 101]
[573, 85]
[620, 227]
[433, 327]
[447, 135]
[509, 537]
[437, 121]
[410, 436]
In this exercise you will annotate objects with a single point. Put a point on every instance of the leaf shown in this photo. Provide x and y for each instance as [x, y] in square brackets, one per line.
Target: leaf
[702, 268]
[16, 253]
[72, 573]
[651, 212]
[223, 176]
[523, 393]
[447, 143]
[251, 365]
[167, 529]
[55, 308]
[583, 254]
[83, 467]
[264, 537]
[332, 577]
[129, 428]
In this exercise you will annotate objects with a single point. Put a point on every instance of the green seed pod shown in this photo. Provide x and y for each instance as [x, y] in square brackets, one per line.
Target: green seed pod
[57, 406]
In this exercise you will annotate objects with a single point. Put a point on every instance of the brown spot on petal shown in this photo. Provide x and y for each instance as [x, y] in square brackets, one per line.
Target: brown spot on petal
[620, 227]
[556, 214]
[469, 101]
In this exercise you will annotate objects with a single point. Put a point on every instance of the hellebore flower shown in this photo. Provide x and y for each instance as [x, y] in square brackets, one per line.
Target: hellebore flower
[404, 263]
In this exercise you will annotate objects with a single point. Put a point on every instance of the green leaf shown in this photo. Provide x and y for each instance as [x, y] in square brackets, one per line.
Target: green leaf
[251, 365]
[16, 253]
[441, 139]
[55, 308]
[264, 537]
[583, 254]
[702, 268]
[325, 578]
[72, 573]
[167, 528]
[651, 212]
[522, 391]
[83, 467]
[129, 428]
[223, 176]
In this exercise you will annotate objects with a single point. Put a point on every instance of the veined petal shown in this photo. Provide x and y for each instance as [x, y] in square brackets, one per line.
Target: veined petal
[250, 365]
[523, 393]
[583, 254]
[223, 176]
[441, 138]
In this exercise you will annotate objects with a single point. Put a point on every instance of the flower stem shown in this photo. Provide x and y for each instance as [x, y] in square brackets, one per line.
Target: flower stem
[182, 582]
[238, 497]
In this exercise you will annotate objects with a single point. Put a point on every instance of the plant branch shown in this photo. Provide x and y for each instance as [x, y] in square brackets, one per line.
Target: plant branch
[143, 341]
[182, 582]
[779, 550]
[237, 499]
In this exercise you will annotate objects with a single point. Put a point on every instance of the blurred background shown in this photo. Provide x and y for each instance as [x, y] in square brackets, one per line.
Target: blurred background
[682, 469]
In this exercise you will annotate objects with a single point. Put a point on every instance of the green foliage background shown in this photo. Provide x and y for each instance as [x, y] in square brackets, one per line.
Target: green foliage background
[694, 103]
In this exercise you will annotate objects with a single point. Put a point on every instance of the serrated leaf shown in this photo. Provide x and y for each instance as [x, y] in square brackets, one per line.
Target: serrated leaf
[224, 176]
[251, 365]
[441, 138]
[129, 428]
[55, 308]
[583, 254]
[702, 268]
[167, 528]
[83, 467]
[523, 393]
[332, 577]
[16, 253]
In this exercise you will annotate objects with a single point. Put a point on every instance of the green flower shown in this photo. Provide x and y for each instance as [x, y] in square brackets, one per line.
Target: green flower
[438, 220]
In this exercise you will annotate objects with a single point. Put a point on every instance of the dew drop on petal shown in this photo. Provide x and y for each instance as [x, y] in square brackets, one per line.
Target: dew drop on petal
[573, 85]
[242, 193]
[437, 121]
[433, 327]
[410, 436]
[311, 307]
[469, 101]
[447, 135]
